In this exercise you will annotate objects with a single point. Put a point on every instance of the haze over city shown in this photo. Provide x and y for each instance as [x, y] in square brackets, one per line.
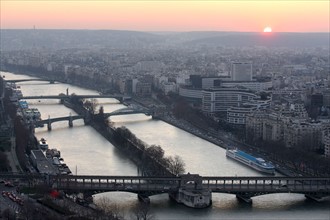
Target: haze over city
[181, 15]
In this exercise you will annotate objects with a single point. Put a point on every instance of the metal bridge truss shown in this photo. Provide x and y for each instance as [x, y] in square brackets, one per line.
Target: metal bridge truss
[244, 187]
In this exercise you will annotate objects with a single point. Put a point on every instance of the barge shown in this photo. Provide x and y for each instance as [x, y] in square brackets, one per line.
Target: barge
[256, 163]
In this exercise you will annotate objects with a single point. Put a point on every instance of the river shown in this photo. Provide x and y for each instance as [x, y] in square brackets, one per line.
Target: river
[87, 152]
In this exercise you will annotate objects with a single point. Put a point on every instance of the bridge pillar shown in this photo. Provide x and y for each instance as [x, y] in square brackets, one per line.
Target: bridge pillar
[49, 124]
[70, 121]
[191, 192]
[143, 198]
[244, 198]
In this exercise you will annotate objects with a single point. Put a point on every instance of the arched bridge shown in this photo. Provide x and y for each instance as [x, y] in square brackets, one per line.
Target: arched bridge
[70, 119]
[49, 121]
[128, 111]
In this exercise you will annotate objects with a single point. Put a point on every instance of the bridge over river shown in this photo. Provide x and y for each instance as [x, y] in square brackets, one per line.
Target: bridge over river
[190, 189]
[115, 96]
[123, 111]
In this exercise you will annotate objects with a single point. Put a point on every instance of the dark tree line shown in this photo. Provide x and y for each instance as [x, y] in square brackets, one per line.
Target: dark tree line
[152, 156]
[298, 159]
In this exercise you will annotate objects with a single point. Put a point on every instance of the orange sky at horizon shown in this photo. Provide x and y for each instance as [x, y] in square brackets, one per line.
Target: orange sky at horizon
[184, 15]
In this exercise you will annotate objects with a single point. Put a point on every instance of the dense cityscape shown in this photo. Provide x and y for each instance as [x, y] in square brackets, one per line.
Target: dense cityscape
[267, 96]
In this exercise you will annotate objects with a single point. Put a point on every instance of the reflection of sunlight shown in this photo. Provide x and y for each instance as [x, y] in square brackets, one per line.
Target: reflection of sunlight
[278, 202]
[124, 200]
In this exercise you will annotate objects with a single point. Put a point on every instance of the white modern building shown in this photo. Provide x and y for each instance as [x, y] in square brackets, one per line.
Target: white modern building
[241, 71]
[221, 99]
[256, 86]
[191, 93]
[237, 115]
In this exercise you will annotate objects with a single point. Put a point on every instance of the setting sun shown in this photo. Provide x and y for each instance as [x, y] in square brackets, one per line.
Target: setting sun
[268, 29]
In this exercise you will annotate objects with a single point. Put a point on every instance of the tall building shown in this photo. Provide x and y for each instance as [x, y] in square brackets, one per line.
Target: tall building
[241, 71]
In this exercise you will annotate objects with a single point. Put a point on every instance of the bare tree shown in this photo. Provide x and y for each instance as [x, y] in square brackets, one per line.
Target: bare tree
[142, 212]
[91, 105]
[176, 165]
[155, 152]
[112, 210]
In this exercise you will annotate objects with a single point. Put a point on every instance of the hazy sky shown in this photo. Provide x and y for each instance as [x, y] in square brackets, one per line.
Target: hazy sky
[168, 15]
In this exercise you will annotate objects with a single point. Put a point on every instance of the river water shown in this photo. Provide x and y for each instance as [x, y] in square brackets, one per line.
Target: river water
[87, 152]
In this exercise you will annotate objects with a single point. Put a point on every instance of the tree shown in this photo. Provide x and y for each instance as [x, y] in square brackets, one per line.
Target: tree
[90, 105]
[176, 165]
[112, 210]
[142, 212]
[155, 152]
[62, 99]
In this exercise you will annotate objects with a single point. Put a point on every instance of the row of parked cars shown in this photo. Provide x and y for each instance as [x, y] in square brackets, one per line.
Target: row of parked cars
[12, 196]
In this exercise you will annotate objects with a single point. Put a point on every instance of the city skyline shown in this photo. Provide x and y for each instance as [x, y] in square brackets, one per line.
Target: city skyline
[241, 16]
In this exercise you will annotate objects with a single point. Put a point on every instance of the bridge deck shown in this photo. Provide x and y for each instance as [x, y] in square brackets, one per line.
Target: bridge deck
[233, 185]
[250, 186]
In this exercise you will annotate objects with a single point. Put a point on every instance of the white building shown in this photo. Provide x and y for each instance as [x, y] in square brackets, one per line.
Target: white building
[221, 99]
[241, 71]
[237, 115]
[191, 93]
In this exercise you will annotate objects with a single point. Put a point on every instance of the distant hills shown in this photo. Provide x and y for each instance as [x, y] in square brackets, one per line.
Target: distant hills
[267, 39]
[11, 39]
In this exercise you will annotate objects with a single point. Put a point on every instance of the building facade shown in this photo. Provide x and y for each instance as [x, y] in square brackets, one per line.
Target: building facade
[221, 99]
[241, 71]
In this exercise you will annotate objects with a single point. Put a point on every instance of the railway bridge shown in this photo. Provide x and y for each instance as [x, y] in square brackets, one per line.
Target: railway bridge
[192, 190]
